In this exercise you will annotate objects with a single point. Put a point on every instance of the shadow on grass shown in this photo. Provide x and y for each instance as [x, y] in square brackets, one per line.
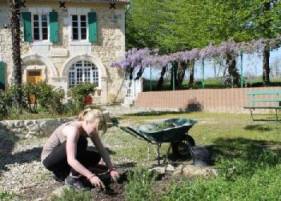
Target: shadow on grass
[257, 127]
[154, 113]
[8, 140]
[246, 155]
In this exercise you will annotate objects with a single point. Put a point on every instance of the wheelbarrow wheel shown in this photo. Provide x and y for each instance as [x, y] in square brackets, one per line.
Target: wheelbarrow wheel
[181, 150]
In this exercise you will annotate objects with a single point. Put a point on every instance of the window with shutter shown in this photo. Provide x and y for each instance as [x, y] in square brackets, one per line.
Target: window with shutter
[54, 27]
[92, 23]
[27, 27]
[2, 75]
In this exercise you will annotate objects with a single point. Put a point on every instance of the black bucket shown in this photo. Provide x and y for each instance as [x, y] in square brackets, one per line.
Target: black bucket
[201, 156]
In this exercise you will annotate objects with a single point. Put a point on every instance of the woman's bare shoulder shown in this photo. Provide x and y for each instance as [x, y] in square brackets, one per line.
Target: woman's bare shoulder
[71, 128]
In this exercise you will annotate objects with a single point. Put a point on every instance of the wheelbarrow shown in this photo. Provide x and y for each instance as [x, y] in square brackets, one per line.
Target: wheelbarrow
[173, 131]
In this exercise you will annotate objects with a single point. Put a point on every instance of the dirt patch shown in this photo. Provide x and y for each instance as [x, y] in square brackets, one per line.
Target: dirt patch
[115, 192]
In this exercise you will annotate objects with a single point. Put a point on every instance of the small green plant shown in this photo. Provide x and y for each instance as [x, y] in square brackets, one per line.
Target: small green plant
[4, 105]
[8, 103]
[71, 194]
[50, 98]
[140, 186]
[6, 196]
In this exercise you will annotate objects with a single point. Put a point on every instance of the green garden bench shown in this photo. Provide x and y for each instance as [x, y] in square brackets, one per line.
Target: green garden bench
[264, 99]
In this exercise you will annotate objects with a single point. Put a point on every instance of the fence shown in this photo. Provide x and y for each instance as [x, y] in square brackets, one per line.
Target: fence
[209, 100]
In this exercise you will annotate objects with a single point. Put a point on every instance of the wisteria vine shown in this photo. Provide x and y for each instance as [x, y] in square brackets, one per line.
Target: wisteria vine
[142, 58]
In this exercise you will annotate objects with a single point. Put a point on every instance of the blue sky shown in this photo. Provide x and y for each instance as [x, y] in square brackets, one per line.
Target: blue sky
[252, 66]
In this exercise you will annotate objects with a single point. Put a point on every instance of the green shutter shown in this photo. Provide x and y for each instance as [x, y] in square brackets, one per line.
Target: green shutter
[92, 21]
[27, 28]
[2, 75]
[54, 27]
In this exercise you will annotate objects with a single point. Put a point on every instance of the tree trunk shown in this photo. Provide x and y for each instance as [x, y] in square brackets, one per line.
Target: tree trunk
[266, 68]
[174, 73]
[232, 70]
[16, 49]
[181, 73]
[139, 73]
[161, 79]
[266, 51]
[191, 74]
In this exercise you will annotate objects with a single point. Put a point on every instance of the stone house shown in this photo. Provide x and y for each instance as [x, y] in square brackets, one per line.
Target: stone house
[68, 42]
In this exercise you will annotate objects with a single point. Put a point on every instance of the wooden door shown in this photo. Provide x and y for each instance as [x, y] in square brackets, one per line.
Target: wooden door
[33, 77]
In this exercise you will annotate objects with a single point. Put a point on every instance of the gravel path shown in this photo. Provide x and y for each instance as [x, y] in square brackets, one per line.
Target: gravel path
[22, 173]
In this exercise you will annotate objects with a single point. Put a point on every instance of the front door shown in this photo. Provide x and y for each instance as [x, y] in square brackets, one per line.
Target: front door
[33, 77]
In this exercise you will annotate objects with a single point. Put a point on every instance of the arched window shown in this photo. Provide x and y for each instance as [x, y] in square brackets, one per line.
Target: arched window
[81, 72]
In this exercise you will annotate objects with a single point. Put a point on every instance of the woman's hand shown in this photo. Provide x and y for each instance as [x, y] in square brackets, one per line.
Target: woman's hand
[95, 181]
[114, 175]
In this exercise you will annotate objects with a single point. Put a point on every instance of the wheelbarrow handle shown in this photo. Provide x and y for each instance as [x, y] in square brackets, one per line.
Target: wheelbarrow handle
[136, 134]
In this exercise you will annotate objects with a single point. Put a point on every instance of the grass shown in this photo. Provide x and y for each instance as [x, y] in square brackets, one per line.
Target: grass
[248, 157]
[71, 194]
[6, 196]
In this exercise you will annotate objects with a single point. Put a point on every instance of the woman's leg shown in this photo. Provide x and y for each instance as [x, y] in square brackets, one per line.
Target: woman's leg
[89, 158]
[57, 160]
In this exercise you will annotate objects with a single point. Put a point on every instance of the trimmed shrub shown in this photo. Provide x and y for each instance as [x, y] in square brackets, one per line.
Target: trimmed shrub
[79, 93]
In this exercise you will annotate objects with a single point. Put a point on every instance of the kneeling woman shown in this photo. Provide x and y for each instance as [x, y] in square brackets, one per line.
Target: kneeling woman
[66, 153]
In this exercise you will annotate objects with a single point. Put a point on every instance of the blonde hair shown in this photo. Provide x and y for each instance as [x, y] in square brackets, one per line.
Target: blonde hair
[90, 115]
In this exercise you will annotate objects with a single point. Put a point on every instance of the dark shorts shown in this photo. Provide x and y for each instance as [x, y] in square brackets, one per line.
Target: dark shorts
[57, 160]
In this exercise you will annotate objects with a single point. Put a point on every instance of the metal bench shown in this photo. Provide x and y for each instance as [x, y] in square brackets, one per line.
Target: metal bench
[264, 99]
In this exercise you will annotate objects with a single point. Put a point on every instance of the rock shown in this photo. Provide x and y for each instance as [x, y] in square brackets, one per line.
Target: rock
[159, 169]
[34, 127]
[18, 124]
[178, 171]
[28, 123]
[195, 171]
[170, 168]
[31, 133]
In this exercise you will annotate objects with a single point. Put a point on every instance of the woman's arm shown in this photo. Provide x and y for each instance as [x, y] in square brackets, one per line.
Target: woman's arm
[71, 149]
[104, 153]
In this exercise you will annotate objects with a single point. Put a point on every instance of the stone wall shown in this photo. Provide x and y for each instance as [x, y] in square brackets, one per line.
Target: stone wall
[5, 40]
[29, 128]
[39, 127]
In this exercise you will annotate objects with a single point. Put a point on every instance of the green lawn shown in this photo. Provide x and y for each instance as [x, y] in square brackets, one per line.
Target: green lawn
[247, 157]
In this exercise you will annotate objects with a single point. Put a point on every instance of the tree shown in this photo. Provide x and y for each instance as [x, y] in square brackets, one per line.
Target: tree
[179, 25]
[141, 23]
[16, 48]
[266, 29]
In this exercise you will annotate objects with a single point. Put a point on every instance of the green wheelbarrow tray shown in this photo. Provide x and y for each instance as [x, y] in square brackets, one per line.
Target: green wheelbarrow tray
[171, 131]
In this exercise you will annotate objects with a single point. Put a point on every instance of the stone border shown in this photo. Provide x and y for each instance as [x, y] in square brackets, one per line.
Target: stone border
[29, 128]
[38, 127]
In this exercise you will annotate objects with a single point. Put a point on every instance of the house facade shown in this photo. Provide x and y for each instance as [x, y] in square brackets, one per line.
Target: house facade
[66, 43]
